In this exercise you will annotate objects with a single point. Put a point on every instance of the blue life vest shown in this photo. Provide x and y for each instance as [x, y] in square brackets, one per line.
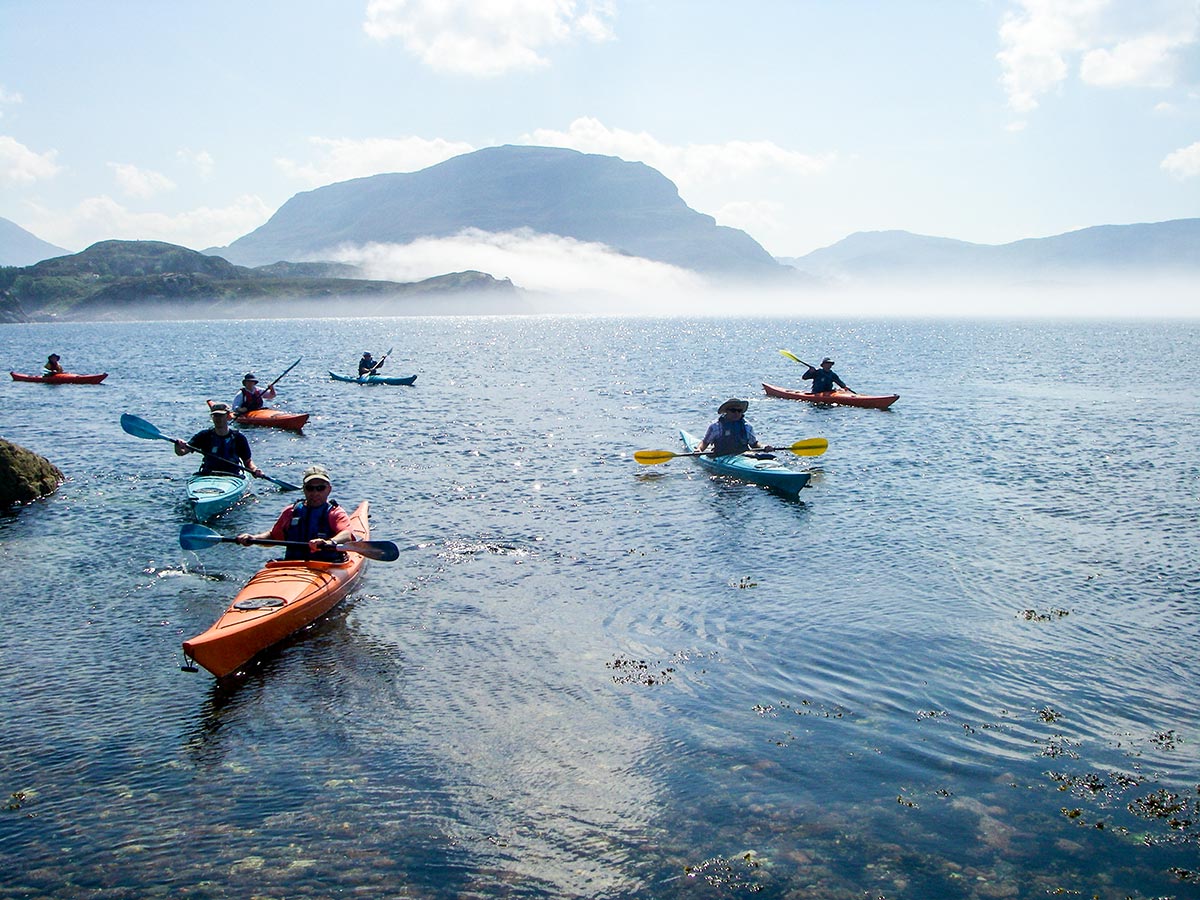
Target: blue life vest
[222, 456]
[308, 523]
[733, 438]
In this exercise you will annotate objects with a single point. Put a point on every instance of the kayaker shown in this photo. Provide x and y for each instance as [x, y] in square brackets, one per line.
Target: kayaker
[367, 364]
[316, 520]
[53, 366]
[824, 378]
[223, 448]
[731, 433]
[250, 397]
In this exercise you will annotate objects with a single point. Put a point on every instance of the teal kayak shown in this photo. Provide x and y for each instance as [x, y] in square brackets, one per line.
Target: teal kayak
[374, 379]
[213, 494]
[768, 472]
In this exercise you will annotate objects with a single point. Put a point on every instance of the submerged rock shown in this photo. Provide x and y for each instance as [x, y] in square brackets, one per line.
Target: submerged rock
[25, 476]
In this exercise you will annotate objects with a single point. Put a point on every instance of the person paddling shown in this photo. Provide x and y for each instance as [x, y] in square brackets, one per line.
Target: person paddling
[824, 378]
[224, 449]
[250, 397]
[53, 366]
[731, 433]
[316, 520]
[367, 364]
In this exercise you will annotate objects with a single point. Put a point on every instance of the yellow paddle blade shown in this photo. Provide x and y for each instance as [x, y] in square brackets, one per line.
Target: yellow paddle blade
[810, 447]
[793, 357]
[653, 457]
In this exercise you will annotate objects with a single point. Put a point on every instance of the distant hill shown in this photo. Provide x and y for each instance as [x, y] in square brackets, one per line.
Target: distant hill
[20, 248]
[1157, 248]
[154, 280]
[626, 205]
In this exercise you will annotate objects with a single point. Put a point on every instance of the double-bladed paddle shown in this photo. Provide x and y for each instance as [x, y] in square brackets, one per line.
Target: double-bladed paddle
[807, 447]
[143, 429]
[197, 537]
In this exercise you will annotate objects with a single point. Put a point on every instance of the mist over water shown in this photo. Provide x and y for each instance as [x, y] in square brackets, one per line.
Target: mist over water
[959, 666]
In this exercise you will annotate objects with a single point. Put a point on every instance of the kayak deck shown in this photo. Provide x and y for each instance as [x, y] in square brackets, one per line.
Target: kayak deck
[213, 494]
[834, 398]
[766, 472]
[279, 600]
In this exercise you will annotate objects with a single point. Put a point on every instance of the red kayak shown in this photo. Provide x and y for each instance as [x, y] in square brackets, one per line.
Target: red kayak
[834, 398]
[60, 378]
[272, 418]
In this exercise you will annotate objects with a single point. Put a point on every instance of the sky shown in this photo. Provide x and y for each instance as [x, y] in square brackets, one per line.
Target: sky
[799, 121]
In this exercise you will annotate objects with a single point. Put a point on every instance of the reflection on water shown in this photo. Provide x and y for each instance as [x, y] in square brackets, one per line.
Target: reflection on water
[961, 666]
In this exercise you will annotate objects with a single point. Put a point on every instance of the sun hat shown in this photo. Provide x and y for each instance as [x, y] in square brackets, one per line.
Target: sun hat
[219, 408]
[827, 360]
[316, 473]
[249, 376]
[733, 403]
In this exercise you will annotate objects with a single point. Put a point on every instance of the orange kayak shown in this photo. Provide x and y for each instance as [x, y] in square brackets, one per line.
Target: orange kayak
[273, 418]
[276, 602]
[834, 398]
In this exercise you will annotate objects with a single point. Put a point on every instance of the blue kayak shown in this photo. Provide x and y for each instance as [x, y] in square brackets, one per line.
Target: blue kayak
[213, 494]
[374, 379]
[768, 472]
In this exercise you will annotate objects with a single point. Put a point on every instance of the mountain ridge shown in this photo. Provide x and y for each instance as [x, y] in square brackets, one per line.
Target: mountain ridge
[627, 206]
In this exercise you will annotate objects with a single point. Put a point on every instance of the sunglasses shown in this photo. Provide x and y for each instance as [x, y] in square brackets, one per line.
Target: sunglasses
[315, 486]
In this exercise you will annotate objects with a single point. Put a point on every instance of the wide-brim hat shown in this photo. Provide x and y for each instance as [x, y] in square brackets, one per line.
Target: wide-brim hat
[249, 376]
[827, 360]
[317, 473]
[733, 403]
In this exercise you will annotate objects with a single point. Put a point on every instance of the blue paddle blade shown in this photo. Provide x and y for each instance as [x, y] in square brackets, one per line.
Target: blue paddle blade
[140, 428]
[197, 537]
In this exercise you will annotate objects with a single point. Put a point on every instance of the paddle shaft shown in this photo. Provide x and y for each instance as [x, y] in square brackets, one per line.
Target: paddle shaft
[281, 374]
[381, 359]
[370, 549]
[806, 447]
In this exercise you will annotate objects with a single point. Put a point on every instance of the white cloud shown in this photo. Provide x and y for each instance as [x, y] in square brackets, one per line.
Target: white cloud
[20, 165]
[1183, 163]
[342, 158]
[534, 261]
[1147, 61]
[137, 182]
[102, 218]
[1114, 44]
[687, 165]
[201, 160]
[486, 37]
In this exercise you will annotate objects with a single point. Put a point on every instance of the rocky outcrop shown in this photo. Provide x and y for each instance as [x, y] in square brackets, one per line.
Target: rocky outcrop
[25, 476]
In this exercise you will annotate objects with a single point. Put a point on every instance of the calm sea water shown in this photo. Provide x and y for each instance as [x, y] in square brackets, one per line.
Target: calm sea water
[963, 665]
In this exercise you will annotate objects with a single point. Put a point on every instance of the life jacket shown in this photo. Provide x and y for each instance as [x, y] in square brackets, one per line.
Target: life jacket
[733, 438]
[308, 523]
[222, 458]
[251, 399]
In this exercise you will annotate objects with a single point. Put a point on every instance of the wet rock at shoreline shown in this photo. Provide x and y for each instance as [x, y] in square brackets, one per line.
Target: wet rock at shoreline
[25, 476]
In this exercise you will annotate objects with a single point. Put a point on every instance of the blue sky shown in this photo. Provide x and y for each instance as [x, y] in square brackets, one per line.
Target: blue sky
[799, 121]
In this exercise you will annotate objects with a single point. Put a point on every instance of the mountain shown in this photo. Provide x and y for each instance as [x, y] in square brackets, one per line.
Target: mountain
[626, 205]
[1158, 248]
[20, 248]
[155, 280]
